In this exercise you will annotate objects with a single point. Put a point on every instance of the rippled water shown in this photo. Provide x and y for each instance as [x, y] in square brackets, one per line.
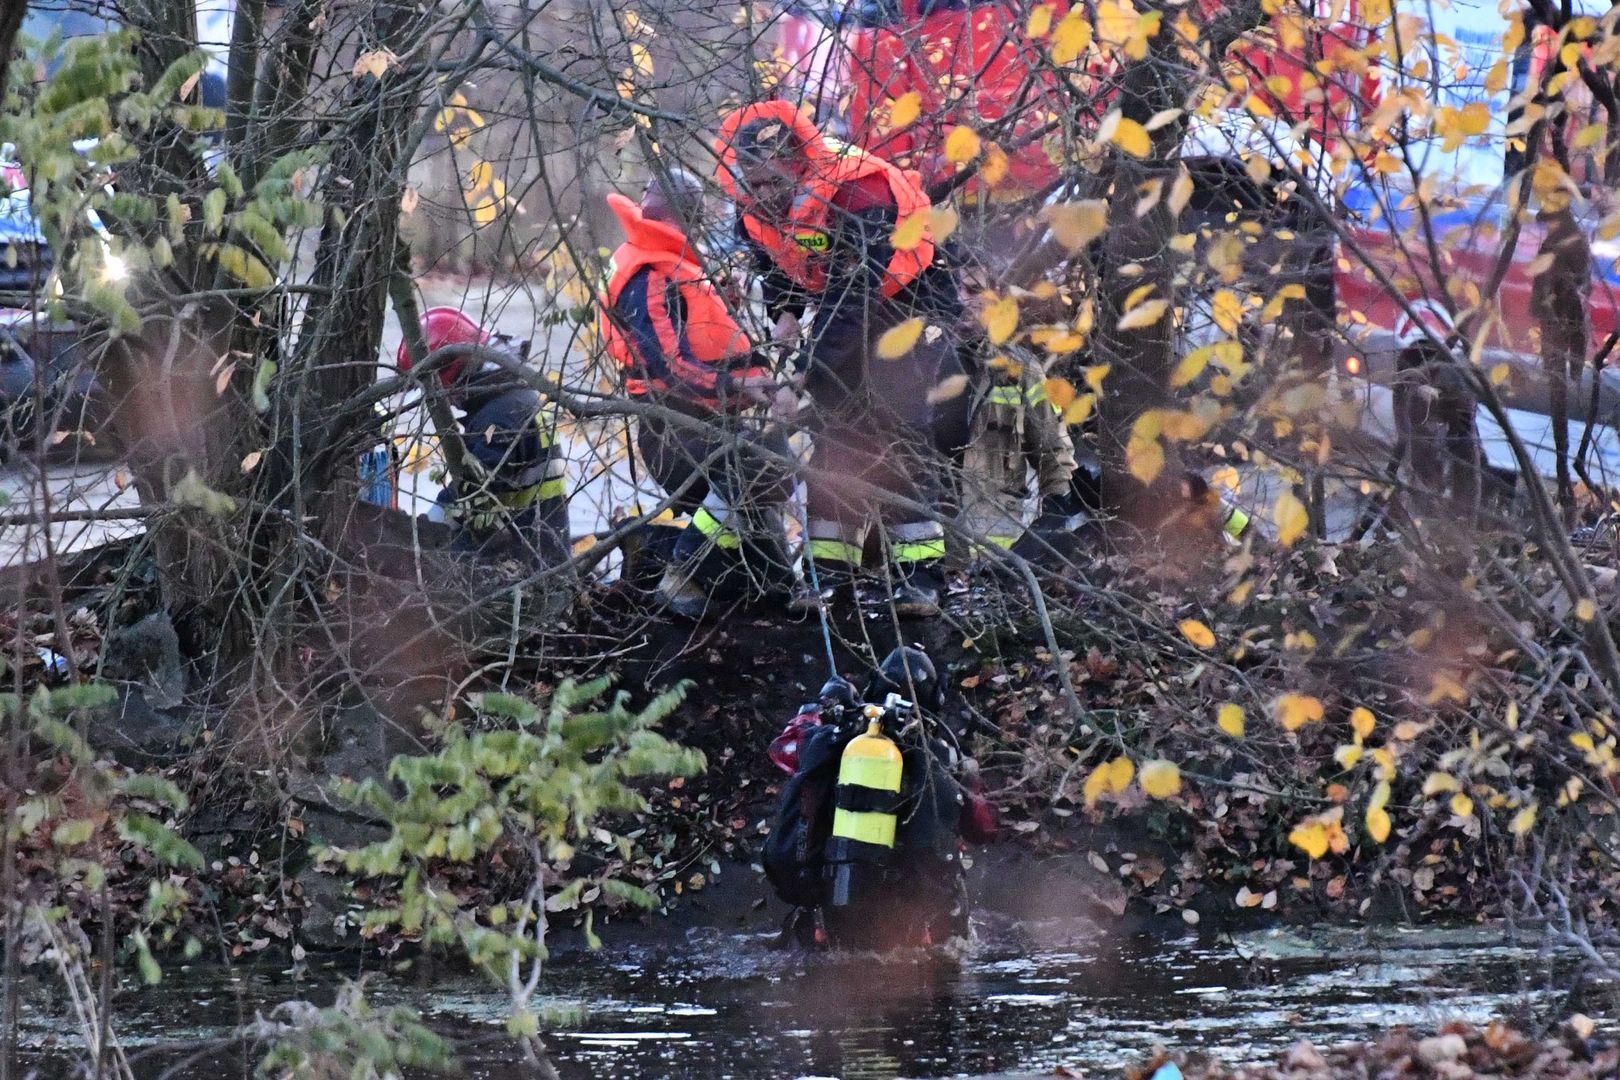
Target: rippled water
[1024, 999]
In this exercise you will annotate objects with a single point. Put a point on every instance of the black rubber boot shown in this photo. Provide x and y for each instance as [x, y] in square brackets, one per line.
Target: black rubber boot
[697, 572]
[835, 581]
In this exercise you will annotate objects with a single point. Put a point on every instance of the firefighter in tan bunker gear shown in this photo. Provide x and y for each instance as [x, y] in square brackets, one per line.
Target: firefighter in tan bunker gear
[1015, 431]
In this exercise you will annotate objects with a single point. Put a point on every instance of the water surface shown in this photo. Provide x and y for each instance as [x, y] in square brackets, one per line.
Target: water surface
[1023, 999]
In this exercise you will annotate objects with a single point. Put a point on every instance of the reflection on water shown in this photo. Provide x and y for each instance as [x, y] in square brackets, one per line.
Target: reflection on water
[1029, 998]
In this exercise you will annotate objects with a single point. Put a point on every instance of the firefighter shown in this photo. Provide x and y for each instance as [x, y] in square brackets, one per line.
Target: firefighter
[677, 345]
[902, 884]
[1561, 303]
[1015, 430]
[821, 218]
[519, 484]
[1436, 432]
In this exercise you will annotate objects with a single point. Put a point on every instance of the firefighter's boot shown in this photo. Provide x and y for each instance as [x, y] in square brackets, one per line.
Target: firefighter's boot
[831, 566]
[705, 557]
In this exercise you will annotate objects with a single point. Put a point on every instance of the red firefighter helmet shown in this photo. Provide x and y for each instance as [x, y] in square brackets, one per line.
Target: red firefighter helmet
[443, 326]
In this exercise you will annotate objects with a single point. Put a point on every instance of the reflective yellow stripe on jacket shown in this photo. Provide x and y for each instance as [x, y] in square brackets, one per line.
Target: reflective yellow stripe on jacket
[835, 551]
[917, 550]
[546, 489]
[1014, 396]
[706, 523]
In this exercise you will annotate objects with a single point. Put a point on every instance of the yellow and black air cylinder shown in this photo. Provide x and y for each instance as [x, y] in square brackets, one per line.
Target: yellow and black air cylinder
[866, 809]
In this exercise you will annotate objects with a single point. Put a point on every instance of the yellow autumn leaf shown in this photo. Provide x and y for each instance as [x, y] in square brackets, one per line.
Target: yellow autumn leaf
[1095, 374]
[1079, 410]
[1096, 785]
[1060, 392]
[1197, 633]
[1337, 841]
[1145, 459]
[1143, 315]
[1291, 518]
[1191, 366]
[995, 167]
[961, 145]
[1585, 609]
[1109, 778]
[1137, 295]
[1057, 342]
[1347, 755]
[1160, 779]
[1180, 192]
[1378, 824]
[1040, 21]
[1446, 687]
[1380, 796]
[905, 109]
[910, 232]
[1496, 78]
[899, 340]
[1162, 118]
[1274, 306]
[1071, 38]
[1000, 318]
[942, 222]
[1362, 722]
[1439, 783]
[1523, 820]
[948, 389]
[641, 57]
[1229, 718]
[1474, 118]
[1294, 711]
[1310, 837]
[1132, 138]
[1076, 224]
[1116, 22]
[1227, 310]
[1462, 805]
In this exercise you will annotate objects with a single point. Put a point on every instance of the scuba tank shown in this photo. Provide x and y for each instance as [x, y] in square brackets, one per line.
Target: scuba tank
[866, 808]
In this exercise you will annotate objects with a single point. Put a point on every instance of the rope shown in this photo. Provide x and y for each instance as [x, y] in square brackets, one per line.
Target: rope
[821, 612]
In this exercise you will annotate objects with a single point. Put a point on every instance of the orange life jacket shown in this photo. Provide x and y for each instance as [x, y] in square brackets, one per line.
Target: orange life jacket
[798, 246]
[712, 341]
